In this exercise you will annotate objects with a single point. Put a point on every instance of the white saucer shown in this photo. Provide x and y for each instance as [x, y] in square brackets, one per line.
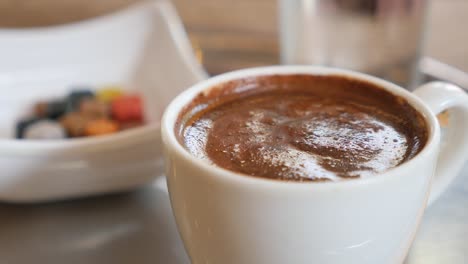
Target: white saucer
[143, 48]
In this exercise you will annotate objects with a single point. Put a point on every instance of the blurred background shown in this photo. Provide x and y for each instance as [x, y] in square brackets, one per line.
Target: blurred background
[241, 33]
[138, 227]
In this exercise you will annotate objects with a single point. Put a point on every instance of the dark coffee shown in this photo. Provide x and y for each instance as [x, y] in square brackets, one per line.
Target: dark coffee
[302, 128]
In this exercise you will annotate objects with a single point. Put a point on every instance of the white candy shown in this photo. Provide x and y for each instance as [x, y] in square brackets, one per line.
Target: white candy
[45, 129]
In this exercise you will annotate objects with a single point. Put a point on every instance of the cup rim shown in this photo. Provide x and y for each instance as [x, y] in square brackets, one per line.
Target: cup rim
[178, 103]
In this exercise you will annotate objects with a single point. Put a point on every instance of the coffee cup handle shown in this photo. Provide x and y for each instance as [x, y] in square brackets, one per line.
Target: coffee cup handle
[440, 96]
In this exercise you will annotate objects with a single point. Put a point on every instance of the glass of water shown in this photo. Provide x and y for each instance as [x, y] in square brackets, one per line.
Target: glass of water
[380, 37]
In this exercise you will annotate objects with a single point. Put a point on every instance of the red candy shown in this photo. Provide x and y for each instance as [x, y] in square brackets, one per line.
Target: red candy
[127, 108]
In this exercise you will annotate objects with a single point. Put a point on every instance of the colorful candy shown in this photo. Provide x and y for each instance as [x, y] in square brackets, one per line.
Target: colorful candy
[127, 108]
[23, 124]
[44, 129]
[83, 113]
[75, 98]
[94, 108]
[53, 109]
[75, 123]
[101, 127]
[109, 94]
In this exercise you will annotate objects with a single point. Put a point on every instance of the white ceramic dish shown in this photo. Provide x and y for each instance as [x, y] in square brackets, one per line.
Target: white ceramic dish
[142, 48]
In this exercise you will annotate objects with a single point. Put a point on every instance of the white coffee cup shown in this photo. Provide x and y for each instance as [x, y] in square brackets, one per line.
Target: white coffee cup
[227, 218]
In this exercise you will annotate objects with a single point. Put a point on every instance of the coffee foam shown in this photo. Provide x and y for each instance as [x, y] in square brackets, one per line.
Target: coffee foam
[293, 135]
[320, 144]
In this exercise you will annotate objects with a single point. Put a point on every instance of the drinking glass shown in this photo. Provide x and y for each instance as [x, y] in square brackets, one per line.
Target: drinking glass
[381, 37]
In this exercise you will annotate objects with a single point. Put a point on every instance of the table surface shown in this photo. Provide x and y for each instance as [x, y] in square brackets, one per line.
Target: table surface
[137, 227]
